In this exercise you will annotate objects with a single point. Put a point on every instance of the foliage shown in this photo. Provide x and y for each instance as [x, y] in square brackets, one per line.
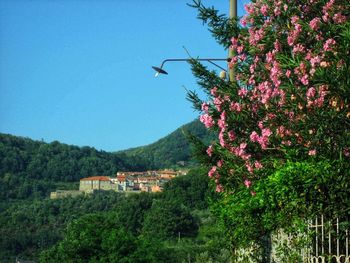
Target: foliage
[286, 69]
[92, 238]
[283, 123]
[142, 228]
[191, 190]
[294, 193]
[131, 211]
[172, 149]
[135, 228]
[169, 219]
[33, 169]
[27, 227]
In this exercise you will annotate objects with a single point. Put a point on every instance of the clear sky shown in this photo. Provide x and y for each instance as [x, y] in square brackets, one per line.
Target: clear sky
[80, 71]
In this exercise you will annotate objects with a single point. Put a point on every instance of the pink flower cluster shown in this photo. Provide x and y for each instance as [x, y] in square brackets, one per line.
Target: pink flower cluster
[207, 120]
[315, 97]
[294, 34]
[279, 91]
[263, 139]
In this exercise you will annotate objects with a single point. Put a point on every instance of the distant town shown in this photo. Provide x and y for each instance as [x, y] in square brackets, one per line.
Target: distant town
[127, 182]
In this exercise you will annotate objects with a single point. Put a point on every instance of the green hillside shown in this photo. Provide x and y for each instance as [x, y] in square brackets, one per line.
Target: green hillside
[173, 149]
[33, 225]
[31, 169]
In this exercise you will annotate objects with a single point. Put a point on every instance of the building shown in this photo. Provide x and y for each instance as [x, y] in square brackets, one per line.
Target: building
[90, 184]
[169, 174]
[149, 181]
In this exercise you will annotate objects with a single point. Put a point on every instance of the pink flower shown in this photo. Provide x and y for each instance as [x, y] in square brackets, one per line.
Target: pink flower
[299, 48]
[294, 19]
[207, 120]
[219, 188]
[254, 136]
[288, 72]
[315, 23]
[231, 135]
[249, 8]
[240, 49]
[328, 46]
[277, 11]
[258, 165]
[242, 92]
[214, 91]
[234, 42]
[277, 45]
[253, 193]
[218, 103]
[249, 167]
[242, 146]
[264, 9]
[212, 171]
[235, 106]
[244, 20]
[205, 107]
[325, 17]
[311, 92]
[220, 163]
[266, 132]
[222, 122]
[247, 183]
[210, 150]
[315, 60]
[288, 143]
[305, 79]
[339, 18]
[269, 57]
[290, 39]
[312, 152]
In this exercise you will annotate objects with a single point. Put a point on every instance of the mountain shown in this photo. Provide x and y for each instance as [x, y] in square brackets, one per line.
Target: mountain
[31, 169]
[171, 150]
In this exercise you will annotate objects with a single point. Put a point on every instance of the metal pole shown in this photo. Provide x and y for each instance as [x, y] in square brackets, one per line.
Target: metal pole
[233, 14]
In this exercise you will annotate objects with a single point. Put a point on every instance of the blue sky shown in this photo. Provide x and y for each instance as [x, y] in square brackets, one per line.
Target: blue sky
[80, 71]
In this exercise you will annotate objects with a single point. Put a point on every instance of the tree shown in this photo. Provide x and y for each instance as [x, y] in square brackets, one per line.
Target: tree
[289, 103]
[192, 189]
[168, 220]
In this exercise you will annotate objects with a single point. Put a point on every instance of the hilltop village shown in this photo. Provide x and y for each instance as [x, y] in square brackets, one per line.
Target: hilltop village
[128, 182]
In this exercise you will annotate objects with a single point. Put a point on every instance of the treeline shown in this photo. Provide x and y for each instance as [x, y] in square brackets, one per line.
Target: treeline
[173, 149]
[171, 226]
[31, 169]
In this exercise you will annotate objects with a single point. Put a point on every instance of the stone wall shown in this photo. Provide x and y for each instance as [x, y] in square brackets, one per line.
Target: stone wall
[88, 185]
[64, 193]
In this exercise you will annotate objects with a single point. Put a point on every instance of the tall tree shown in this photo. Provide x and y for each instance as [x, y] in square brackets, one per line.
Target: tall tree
[288, 103]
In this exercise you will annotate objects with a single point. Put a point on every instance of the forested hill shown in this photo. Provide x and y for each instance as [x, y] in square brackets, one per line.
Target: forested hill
[32, 168]
[171, 149]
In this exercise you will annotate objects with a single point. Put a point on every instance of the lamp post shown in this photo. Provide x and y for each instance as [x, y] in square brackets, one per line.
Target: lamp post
[160, 70]
[233, 14]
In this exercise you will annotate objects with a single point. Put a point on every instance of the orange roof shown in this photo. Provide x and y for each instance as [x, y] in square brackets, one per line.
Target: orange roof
[167, 172]
[96, 178]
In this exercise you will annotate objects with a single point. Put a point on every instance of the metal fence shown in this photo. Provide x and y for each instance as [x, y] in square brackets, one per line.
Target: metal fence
[324, 241]
[329, 241]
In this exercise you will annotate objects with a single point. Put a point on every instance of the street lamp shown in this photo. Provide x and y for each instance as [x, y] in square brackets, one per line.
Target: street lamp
[160, 70]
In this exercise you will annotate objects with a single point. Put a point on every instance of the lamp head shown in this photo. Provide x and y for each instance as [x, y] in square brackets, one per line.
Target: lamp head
[159, 71]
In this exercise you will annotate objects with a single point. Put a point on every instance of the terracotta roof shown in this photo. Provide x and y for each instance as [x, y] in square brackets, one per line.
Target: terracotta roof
[96, 178]
[167, 172]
